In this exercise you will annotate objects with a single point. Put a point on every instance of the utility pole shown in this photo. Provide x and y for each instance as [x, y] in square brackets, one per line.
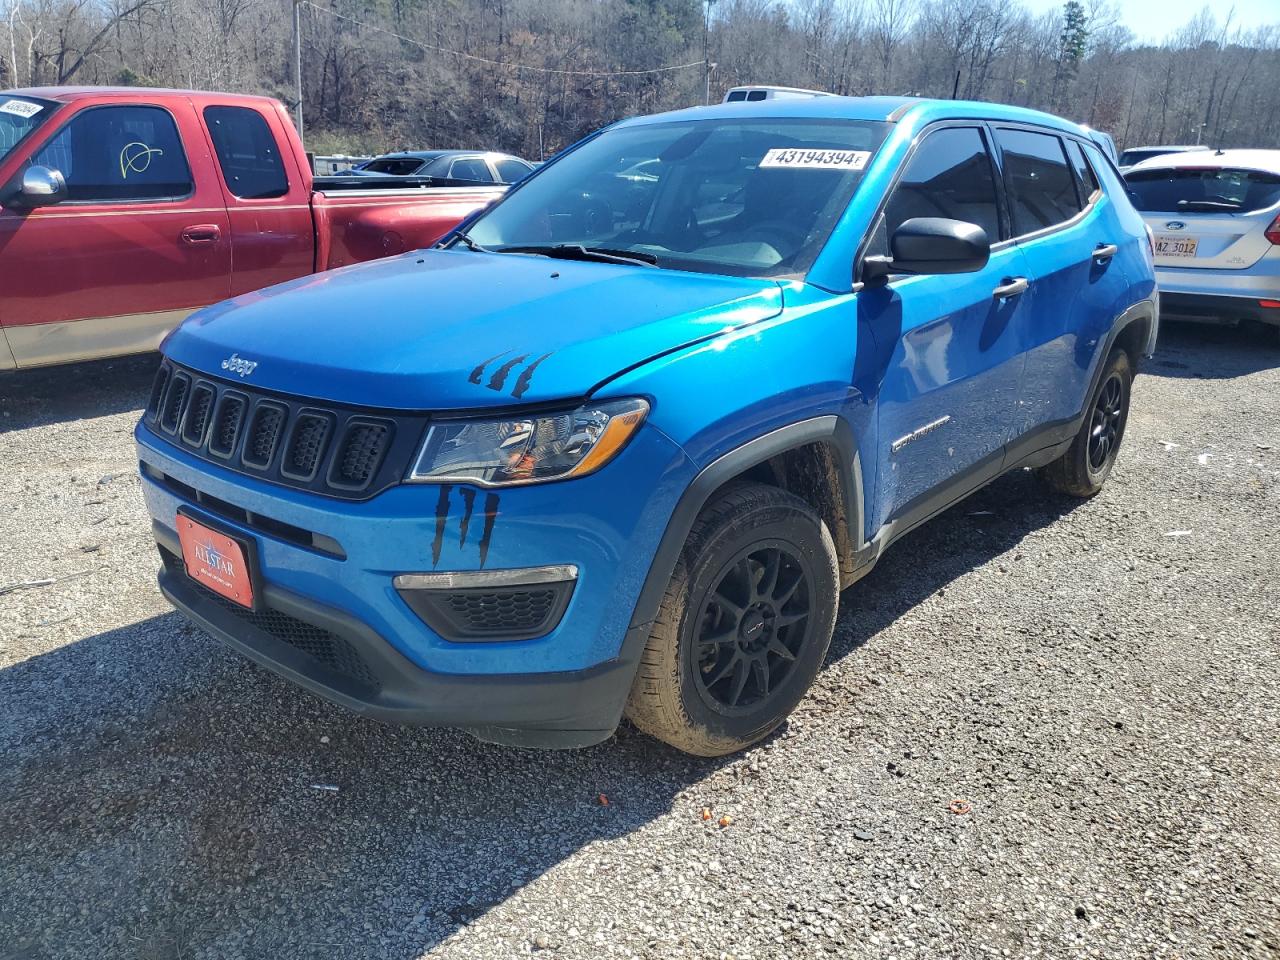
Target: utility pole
[706, 48]
[297, 60]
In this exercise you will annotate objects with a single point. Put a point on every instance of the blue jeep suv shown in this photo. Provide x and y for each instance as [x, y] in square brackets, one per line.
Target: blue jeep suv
[616, 445]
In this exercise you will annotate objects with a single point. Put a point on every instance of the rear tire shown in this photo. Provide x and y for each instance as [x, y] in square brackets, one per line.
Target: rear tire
[1084, 468]
[744, 626]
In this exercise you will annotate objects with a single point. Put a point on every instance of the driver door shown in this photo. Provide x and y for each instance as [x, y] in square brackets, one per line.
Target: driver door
[949, 347]
[141, 241]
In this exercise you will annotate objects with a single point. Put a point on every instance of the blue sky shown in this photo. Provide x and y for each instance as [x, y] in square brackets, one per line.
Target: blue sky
[1153, 20]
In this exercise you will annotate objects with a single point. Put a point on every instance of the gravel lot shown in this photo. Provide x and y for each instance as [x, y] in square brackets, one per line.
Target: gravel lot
[1103, 696]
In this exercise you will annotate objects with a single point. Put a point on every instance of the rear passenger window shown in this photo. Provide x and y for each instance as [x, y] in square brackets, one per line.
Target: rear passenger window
[247, 152]
[1042, 189]
[471, 169]
[950, 175]
[1085, 177]
[119, 153]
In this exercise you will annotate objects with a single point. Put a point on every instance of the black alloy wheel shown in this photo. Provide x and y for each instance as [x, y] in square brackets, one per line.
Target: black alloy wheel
[753, 625]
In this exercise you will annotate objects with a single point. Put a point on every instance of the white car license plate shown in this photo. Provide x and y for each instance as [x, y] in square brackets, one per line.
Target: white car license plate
[1176, 246]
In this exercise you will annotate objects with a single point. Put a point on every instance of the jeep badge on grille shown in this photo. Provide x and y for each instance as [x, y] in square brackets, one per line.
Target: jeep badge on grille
[237, 364]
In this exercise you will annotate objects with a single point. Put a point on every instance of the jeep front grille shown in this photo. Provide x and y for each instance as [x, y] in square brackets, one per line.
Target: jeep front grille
[332, 449]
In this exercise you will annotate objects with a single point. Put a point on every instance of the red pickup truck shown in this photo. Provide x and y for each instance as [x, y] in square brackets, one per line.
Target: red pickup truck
[123, 210]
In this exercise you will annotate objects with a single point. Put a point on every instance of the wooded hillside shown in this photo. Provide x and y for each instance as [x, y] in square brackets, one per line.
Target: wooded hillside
[529, 76]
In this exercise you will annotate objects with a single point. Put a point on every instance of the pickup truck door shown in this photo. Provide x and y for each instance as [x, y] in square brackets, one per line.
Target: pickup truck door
[267, 195]
[948, 347]
[140, 243]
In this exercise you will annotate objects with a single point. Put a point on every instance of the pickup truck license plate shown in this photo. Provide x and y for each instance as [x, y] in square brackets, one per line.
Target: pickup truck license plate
[1176, 246]
[215, 561]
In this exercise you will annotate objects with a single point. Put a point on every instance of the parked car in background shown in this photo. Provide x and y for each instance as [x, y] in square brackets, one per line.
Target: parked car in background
[123, 210]
[1215, 216]
[584, 464]
[466, 165]
[754, 94]
[1135, 155]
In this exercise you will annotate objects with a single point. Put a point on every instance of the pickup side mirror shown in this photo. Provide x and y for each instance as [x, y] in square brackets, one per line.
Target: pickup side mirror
[931, 245]
[41, 187]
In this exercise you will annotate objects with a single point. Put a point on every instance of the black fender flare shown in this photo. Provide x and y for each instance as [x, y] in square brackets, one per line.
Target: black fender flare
[829, 429]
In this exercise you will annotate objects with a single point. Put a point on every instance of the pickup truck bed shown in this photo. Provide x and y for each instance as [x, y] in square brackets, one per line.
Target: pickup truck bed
[175, 200]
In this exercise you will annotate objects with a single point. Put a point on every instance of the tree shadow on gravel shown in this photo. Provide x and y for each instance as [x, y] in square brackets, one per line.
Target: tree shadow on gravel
[75, 391]
[165, 798]
[1208, 352]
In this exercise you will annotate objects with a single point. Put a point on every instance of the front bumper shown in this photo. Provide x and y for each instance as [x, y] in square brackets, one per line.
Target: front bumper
[333, 622]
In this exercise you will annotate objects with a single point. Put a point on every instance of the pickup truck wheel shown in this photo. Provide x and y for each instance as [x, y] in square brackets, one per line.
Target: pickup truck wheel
[1083, 469]
[744, 626]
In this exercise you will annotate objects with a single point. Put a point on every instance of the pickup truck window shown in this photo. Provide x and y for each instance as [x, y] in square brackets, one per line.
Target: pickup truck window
[247, 153]
[949, 175]
[743, 197]
[1042, 189]
[19, 117]
[119, 153]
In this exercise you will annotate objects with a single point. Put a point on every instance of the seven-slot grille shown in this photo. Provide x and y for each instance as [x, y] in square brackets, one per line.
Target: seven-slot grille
[331, 449]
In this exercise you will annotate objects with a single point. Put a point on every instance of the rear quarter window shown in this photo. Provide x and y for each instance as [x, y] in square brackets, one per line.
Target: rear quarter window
[247, 153]
[1206, 190]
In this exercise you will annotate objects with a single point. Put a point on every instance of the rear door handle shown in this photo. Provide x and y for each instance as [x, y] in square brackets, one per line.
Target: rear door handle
[1105, 251]
[1010, 288]
[201, 234]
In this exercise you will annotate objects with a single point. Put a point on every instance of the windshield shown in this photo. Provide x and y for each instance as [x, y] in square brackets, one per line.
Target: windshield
[19, 116]
[1182, 189]
[739, 197]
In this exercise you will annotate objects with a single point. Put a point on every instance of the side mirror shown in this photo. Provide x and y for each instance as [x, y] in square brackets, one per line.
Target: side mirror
[42, 187]
[931, 245]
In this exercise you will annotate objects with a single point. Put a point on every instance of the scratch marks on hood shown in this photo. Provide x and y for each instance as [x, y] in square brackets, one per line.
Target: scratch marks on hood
[498, 379]
[526, 377]
[442, 517]
[469, 500]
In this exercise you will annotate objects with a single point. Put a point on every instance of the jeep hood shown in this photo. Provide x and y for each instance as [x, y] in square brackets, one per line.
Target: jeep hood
[445, 329]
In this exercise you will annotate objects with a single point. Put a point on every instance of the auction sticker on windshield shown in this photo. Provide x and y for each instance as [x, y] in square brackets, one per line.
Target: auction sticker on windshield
[1167, 246]
[20, 108]
[816, 159]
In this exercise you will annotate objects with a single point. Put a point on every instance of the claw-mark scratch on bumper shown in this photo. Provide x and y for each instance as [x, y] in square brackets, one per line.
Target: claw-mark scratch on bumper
[444, 507]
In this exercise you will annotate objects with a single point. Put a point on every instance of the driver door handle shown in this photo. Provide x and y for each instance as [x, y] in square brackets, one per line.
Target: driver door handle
[201, 234]
[1010, 288]
[1105, 251]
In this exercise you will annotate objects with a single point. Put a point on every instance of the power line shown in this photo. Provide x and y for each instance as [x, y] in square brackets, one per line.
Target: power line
[499, 63]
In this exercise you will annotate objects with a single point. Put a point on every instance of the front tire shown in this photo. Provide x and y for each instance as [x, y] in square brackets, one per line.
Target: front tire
[1084, 468]
[744, 626]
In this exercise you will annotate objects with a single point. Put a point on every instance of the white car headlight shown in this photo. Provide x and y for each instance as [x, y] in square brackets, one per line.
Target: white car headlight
[527, 449]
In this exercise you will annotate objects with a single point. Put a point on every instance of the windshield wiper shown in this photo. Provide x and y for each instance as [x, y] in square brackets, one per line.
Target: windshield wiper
[576, 251]
[465, 239]
[1207, 205]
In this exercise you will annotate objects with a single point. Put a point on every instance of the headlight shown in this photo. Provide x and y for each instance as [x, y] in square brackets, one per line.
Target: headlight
[516, 450]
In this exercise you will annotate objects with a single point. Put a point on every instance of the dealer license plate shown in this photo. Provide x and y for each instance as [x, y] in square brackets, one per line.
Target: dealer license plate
[216, 561]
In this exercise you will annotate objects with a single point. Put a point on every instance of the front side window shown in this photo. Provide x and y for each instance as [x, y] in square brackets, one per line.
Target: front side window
[247, 153]
[119, 153]
[19, 118]
[743, 197]
[1042, 188]
[950, 175]
[1204, 189]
